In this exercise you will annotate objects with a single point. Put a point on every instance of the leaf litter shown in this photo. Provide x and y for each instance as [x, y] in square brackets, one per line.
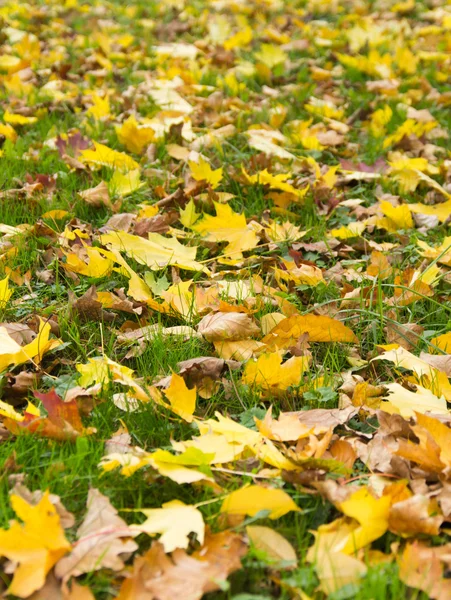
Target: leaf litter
[225, 337]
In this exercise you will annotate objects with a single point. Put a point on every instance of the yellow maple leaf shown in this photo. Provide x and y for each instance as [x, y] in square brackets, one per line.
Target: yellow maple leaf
[443, 342]
[441, 253]
[15, 119]
[100, 263]
[268, 142]
[134, 137]
[408, 171]
[234, 432]
[396, 217]
[11, 64]
[346, 232]
[124, 184]
[175, 521]
[428, 376]
[239, 39]
[180, 298]
[181, 468]
[100, 108]
[157, 252]
[255, 498]
[218, 445]
[227, 226]
[36, 545]
[320, 329]
[11, 353]
[201, 171]
[443, 210]
[409, 127]
[324, 108]
[102, 156]
[5, 292]
[28, 48]
[273, 544]
[331, 538]
[379, 119]
[372, 515]
[181, 399]
[268, 372]
[8, 131]
[302, 275]
[239, 350]
[286, 428]
[271, 55]
[374, 64]
[102, 370]
[440, 433]
[188, 215]
[404, 402]
[275, 182]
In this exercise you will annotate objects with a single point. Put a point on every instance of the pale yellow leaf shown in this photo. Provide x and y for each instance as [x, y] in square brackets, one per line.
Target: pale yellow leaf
[174, 521]
[201, 171]
[404, 402]
[277, 548]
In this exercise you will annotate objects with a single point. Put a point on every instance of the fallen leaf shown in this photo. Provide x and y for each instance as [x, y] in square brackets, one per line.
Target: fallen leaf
[102, 538]
[320, 329]
[372, 515]
[268, 373]
[227, 226]
[414, 516]
[97, 196]
[35, 546]
[276, 548]
[228, 326]
[405, 402]
[201, 171]
[255, 498]
[175, 521]
[63, 421]
[190, 577]
[102, 156]
[181, 399]
[157, 252]
[336, 570]
[421, 567]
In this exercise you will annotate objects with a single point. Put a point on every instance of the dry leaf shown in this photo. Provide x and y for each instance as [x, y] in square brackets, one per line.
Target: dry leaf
[277, 548]
[156, 575]
[34, 546]
[229, 326]
[320, 329]
[101, 540]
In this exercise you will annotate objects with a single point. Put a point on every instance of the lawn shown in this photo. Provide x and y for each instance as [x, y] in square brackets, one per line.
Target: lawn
[224, 293]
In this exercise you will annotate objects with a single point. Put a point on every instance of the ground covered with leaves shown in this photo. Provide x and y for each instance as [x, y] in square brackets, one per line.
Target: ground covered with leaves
[224, 293]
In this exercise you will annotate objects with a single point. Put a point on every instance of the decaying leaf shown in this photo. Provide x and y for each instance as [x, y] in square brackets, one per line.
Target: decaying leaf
[101, 540]
[165, 577]
[229, 326]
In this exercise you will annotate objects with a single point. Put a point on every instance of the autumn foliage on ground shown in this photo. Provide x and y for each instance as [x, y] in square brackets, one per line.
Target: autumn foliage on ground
[225, 338]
